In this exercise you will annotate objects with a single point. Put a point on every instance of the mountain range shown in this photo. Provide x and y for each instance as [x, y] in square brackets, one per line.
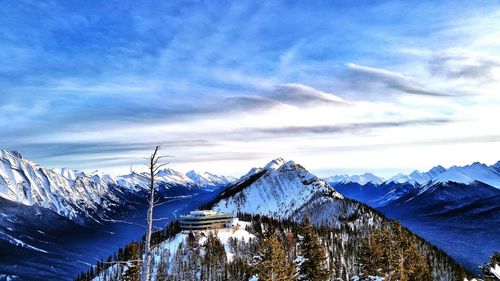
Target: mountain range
[81, 196]
[457, 209]
[283, 193]
[93, 204]
[475, 172]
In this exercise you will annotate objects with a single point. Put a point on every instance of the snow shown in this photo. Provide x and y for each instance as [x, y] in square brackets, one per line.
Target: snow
[72, 193]
[224, 234]
[360, 179]
[283, 187]
[467, 174]
[208, 179]
[18, 242]
[275, 164]
[496, 270]
[9, 277]
[460, 174]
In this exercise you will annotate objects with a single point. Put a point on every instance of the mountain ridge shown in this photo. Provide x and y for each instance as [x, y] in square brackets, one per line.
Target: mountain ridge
[460, 174]
[80, 195]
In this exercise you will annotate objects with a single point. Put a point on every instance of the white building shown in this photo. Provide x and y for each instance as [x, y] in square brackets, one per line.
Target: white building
[205, 220]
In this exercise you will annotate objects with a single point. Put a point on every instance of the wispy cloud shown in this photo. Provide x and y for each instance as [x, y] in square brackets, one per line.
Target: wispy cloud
[99, 84]
[366, 78]
[464, 65]
[353, 128]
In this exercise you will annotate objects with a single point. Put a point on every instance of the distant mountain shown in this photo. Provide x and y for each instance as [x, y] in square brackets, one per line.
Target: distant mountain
[207, 179]
[361, 179]
[459, 174]
[77, 196]
[273, 199]
[81, 196]
[456, 208]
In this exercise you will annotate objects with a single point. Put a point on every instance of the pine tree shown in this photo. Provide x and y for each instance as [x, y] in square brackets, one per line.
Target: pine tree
[273, 265]
[214, 258]
[132, 254]
[393, 251]
[315, 264]
[161, 274]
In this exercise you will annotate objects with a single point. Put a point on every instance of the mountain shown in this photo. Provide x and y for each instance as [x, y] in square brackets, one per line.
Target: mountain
[467, 174]
[286, 190]
[457, 208]
[209, 180]
[276, 199]
[438, 197]
[82, 196]
[360, 179]
[460, 174]
[75, 197]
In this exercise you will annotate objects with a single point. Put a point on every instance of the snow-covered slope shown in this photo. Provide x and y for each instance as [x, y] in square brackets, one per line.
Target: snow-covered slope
[286, 190]
[489, 175]
[176, 247]
[470, 173]
[208, 179]
[417, 177]
[280, 190]
[26, 182]
[72, 193]
[361, 179]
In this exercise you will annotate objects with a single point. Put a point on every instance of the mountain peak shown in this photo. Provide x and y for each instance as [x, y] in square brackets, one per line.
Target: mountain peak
[11, 153]
[168, 172]
[208, 179]
[360, 179]
[436, 170]
[496, 166]
[281, 189]
[275, 164]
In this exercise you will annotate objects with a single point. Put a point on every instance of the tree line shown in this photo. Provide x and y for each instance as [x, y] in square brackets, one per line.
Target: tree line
[282, 250]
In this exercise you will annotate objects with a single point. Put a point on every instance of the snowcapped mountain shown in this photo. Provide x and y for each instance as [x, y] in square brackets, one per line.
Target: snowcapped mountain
[470, 173]
[286, 190]
[208, 179]
[479, 172]
[417, 177]
[361, 179]
[442, 205]
[76, 194]
[26, 182]
[278, 190]
[496, 167]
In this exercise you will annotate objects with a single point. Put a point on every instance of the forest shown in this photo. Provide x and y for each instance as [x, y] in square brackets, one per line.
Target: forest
[283, 250]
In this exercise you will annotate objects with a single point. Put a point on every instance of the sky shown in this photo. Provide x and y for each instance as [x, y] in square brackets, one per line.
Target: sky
[337, 86]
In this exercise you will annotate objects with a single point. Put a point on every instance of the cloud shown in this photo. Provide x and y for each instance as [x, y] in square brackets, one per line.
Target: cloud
[463, 65]
[297, 95]
[365, 77]
[353, 128]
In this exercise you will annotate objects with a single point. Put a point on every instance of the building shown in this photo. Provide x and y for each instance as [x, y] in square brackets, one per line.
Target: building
[205, 220]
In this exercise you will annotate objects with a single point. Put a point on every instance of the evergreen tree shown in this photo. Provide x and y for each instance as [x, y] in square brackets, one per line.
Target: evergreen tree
[214, 258]
[132, 254]
[273, 265]
[161, 274]
[393, 251]
[315, 264]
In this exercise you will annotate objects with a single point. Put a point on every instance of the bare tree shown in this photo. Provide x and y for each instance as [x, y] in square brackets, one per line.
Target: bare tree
[154, 167]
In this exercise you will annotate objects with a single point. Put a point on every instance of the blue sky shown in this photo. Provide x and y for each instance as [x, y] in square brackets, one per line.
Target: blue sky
[223, 86]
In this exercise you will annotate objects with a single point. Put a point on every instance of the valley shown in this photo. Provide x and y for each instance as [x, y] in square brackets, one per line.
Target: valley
[66, 248]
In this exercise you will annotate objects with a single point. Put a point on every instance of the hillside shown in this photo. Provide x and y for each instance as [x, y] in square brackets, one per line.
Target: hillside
[276, 199]
[84, 197]
[455, 209]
